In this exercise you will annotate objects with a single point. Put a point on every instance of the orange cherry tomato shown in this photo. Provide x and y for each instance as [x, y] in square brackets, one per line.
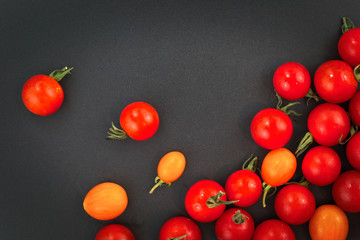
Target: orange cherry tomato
[329, 222]
[170, 168]
[105, 201]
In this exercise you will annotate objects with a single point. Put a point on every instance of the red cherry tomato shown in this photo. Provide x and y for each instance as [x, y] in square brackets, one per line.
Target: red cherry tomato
[235, 224]
[353, 151]
[273, 229]
[198, 197]
[349, 47]
[115, 232]
[271, 128]
[321, 166]
[295, 204]
[346, 191]
[335, 82]
[245, 186]
[42, 94]
[329, 124]
[354, 108]
[292, 81]
[178, 227]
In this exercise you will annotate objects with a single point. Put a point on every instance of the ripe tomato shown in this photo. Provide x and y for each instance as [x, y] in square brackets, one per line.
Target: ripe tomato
[329, 222]
[42, 94]
[353, 151]
[354, 108]
[139, 121]
[235, 224]
[170, 168]
[115, 232]
[292, 81]
[295, 204]
[335, 82]
[346, 191]
[273, 229]
[349, 46]
[271, 128]
[180, 228]
[205, 201]
[321, 166]
[328, 123]
[245, 186]
[105, 201]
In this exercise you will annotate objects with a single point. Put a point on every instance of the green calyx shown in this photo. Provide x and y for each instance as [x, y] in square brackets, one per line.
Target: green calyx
[214, 201]
[266, 189]
[179, 238]
[303, 182]
[59, 74]
[158, 183]
[251, 163]
[284, 109]
[311, 95]
[353, 129]
[307, 140]
[357, 73]
[347, 24]
[116, 133]
[239, 218]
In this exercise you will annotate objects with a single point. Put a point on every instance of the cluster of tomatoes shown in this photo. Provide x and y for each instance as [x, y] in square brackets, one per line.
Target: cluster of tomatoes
[328, 123]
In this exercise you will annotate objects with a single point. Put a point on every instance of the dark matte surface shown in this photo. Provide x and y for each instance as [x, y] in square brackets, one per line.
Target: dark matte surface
[206, 66]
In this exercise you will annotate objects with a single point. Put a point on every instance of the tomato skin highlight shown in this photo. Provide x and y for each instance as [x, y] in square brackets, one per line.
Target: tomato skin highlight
[42, 95]
[328, 123]
[353, 151]
[271, 128]
[329, 222]
[295, 204]
[245, 186]
[335, 82]
[346, 191]
[349, 47]
[321, 166]
[292, 81]
[227, 229]
[139, 120]
[180, 226]
[354, 108]
[115, 232]
[273, 229]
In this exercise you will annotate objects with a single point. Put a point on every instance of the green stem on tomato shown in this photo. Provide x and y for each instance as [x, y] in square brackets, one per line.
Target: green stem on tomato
[353, 129]
[116, 133]
[59, 74]
[311, 95]
[158, 183]
[304, 144]
[302, 182]
[347, 24]
[179, 238]
[285, 108]
[251, 163]
[267, 187]
[239, 218]
[214, 201]
[357, 73]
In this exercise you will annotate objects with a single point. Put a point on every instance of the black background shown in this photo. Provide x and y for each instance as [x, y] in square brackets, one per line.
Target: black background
[206, 67]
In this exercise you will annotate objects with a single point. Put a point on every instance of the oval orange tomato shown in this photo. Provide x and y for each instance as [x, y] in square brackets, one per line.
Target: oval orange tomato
[105, 201]
[329, 222]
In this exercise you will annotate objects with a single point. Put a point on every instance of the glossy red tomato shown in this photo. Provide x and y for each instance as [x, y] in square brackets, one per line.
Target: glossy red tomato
[235, 224]
[353, 151]
[349, 47]
[335, 82]
[329, 124]
[245, 186]
[201, 203]
[178, 227]
[295, 204]
[115, 232]
[354, 108]
[346, 191]
[273, 229]
[271, 128]
[292, 81]
[321, 166]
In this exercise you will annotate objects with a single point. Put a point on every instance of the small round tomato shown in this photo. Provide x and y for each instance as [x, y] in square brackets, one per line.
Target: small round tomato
[105, 201]
[180, 228]
[354, 108]
[205, 201]
[273, 229]
[245, 186]
[295, 204]
[335, 82]
[329, 124]
[292, 81]
[353, 151]
[115, 232]
[235, 224]
[329, 222]
[139, 121]
[271, 128]
[42, 94]
[321, 166]
[346, 191]
[349, 47]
